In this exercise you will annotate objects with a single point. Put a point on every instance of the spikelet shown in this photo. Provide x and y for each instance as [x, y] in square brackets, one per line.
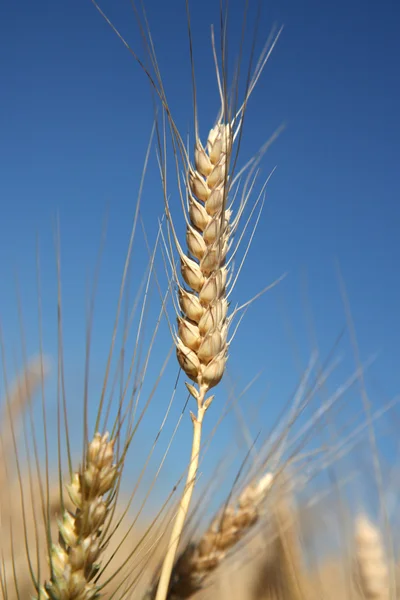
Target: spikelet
[371, 573]
[202, 329]
[74, 561]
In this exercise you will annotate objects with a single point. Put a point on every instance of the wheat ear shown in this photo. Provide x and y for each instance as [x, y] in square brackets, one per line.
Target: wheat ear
[371, 573]
[74, 560]
[17, 398]
[202, 558]
[201, 340]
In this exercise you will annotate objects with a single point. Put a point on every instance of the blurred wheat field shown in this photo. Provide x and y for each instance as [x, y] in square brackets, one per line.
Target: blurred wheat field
[91, 503]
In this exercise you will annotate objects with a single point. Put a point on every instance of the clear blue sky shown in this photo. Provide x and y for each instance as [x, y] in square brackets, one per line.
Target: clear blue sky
[75, 118]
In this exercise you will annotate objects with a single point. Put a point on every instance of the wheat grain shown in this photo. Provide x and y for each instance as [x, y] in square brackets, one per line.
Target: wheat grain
[371, 573]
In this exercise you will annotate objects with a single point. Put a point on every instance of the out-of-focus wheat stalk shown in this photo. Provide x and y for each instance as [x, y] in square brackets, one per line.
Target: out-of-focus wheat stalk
[17, 398]
[281, 575]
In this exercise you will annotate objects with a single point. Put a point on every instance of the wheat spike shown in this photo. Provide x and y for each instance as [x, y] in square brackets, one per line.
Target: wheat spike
[371, 574]
[202, 329]
[200, 559]
[74, 561]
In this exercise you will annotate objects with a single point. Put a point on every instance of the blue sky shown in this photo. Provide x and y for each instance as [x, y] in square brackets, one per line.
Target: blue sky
[75, 119]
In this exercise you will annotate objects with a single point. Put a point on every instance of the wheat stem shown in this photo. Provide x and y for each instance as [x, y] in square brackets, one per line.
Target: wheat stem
[168, 564]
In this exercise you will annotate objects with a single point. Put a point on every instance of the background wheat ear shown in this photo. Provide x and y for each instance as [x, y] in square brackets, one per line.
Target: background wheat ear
[16, 399]
[74, 561]
[371, 572]
[202, 558]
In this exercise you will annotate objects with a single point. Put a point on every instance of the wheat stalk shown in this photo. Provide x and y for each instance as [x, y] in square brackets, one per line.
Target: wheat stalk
[201, 342]
[74, 560]
[372, 573]
[281, 573]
